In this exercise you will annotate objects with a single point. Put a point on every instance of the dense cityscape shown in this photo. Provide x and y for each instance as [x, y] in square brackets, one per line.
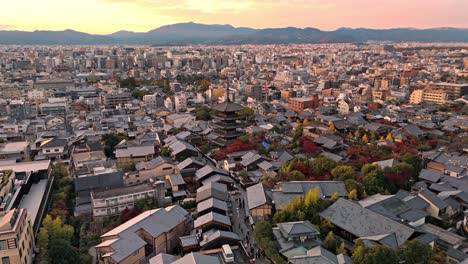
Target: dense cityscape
[305, 153]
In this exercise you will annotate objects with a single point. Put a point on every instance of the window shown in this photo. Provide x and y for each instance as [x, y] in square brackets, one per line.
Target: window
[56, 150]
[3, 244]
[167, 168]
[47, 150]
[6, 260]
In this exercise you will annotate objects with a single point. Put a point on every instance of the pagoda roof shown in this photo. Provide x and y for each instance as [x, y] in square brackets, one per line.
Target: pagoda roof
[228, 106]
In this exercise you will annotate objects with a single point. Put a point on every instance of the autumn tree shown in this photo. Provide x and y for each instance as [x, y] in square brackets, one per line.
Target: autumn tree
[56, 229]
[343, 173]
[374, 182]
[330, 243]
[322, 165]
[353, 195]
[365, 139]
[374, 255]
[342, 249]
[43, 245]
[389, 137]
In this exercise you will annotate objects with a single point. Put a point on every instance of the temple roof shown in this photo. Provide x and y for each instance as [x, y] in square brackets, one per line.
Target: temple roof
[228, 106]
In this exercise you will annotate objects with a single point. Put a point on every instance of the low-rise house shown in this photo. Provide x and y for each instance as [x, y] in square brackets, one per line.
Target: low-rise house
[207, 172]
[181, 150]
[437, 207]
[394, 207]
[386, 163]
[114, 201]
[259, 202]
[197, 258]
[289, 191]
[157, 167]
[215, 239]
[52, 148]
[187, 169]
[152, 232]
[18, 151]
[126, 153]
[177, 184]
[352, 221]
[213, 220]
[294, 236]
[320, 255]
[81, 159]
[212, 190]
[212, 205]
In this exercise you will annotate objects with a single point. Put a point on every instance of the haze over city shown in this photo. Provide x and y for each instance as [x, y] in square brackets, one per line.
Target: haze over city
[233, 132]
[108, 16]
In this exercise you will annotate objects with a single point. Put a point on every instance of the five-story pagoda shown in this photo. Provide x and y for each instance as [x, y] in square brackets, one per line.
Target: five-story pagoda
[226, 124]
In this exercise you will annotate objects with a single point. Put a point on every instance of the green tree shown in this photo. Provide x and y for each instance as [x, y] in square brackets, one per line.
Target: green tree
[61, 252]
[263, 235]
[203, 113]
[298, 132]
[374, 182]
[413, 160]
[248, 114]
[296, 176]
[110, 141]
[322, 165]
[368, 168]
[413, 251]
[56, 229]
[330, 243]
[164, 152]
[43, 244]
[374, 255]
[343, 172]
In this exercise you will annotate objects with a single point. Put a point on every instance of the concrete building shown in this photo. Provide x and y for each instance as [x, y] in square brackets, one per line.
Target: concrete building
[300, 104]
[114, 201]
[180, 102]
[112, 100]
[453, 90]
[153, 101]
[148, 234]
[16, 237]
[433, 96]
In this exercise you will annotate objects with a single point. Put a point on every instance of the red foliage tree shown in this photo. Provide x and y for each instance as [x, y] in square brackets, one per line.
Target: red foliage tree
[300, 167]
[354, 152]
[309, 146]
[234, 147]
[128, 214]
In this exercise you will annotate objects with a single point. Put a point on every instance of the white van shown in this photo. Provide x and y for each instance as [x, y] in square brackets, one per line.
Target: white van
[227, 254]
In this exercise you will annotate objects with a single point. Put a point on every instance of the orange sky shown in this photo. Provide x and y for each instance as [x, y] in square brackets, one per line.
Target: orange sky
[107, 16]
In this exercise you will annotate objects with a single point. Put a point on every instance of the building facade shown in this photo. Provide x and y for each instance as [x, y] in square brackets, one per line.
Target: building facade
[16, 237]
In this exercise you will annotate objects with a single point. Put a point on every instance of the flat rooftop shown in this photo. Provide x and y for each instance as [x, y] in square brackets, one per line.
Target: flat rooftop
[122, 191]
[32, 200]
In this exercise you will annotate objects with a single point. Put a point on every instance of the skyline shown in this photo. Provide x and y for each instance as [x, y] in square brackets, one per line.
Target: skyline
[108, 16]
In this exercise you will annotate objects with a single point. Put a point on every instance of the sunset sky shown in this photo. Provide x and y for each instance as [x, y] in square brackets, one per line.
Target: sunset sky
[107, 16]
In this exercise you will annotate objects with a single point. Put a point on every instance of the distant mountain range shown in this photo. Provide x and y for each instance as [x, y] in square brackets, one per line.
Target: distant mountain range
[193, 33]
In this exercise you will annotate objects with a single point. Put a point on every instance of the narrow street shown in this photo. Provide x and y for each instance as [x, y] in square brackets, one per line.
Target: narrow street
[241, 225]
